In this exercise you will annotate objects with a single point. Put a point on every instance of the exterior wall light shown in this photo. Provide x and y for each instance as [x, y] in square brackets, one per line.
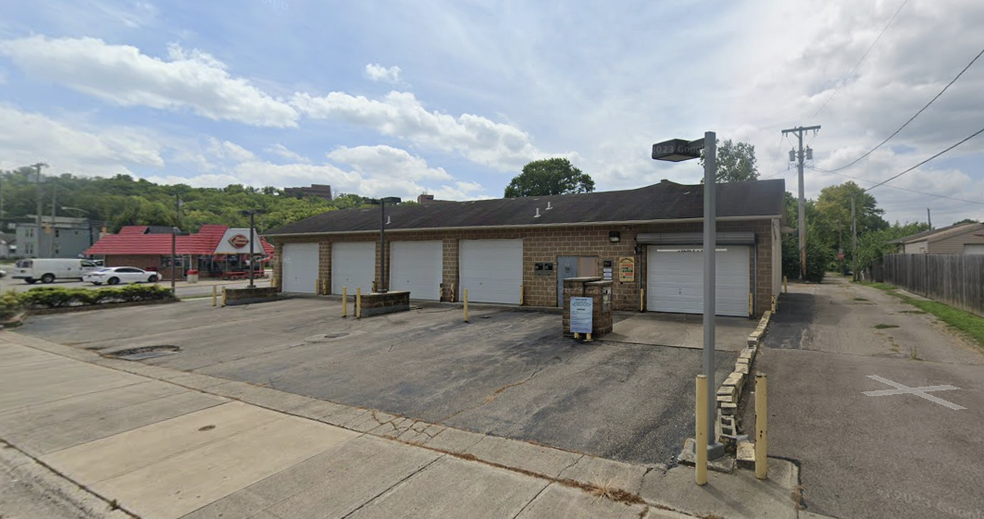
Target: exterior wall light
[614, 236]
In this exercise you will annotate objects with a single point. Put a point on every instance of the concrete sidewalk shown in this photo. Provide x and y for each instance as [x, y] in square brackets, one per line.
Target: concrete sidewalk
[112, 438]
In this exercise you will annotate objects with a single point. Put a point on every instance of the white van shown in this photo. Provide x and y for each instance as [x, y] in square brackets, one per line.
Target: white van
[48, 270]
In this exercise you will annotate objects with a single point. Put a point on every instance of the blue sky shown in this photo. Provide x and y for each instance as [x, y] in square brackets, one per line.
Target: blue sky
[453, 97]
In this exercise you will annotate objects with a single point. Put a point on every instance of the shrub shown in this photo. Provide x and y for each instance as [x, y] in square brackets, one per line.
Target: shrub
[10, 304]
[57, 297]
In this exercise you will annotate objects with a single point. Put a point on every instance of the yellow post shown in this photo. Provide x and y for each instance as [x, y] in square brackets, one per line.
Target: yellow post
[700, 449]
[358, 303]
[761, 423]
[642, 299]
[215, 295]
[344, 302]
[466, 304]
[785, 287]
[317, 286]
[588, 339]
[751, 309]
[223, 297]
[452, 292]
[773, 304]
[520, 295]
[324, 287]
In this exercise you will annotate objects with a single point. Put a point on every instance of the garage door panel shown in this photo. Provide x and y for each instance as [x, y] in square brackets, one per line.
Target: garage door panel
[353, 265]
[491, 270]
[417, 266]
[676, 274]
[300, 267]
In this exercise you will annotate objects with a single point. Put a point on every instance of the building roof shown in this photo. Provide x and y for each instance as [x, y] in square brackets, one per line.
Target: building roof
[136, 240]
[942, 233]
[664, 201]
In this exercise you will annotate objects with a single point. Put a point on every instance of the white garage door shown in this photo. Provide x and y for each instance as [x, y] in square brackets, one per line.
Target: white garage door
[417, 266]
[491, 270]
[353, 265]
[300, 267]
[676, 280]
[973, 249]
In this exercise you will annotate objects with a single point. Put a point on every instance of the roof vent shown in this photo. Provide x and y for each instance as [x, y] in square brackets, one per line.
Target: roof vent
[537, 215]
[389, 220]
[549, 207]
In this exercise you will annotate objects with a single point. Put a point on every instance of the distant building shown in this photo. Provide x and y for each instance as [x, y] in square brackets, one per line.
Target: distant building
[318, 190]
[63, 238]
[8, 244]
[964, 238]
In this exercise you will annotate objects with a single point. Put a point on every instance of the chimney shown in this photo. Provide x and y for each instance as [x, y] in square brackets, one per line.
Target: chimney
[425, 198]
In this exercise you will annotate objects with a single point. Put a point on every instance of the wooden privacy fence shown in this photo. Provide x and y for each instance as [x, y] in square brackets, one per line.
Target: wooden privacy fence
[954, 279]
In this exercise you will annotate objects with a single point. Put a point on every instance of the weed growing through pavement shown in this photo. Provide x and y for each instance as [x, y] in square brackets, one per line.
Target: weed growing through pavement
[885, 326]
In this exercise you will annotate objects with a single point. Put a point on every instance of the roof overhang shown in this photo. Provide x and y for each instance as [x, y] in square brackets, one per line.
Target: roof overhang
[536, 226]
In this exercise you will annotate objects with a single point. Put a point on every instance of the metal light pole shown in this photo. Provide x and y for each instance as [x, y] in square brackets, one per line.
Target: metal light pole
[677, 150]
[37, 168]
[382, 238]
[252, 257]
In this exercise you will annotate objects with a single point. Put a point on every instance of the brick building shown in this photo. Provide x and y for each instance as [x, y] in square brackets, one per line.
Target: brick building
[519, 250]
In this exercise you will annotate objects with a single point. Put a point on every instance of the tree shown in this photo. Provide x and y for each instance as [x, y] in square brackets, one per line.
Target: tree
[966, 220]
[556, 176]
[735, 162]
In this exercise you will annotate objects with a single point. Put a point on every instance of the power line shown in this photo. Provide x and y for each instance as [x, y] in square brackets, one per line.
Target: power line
[901, 188]
[896, 132]
[844, 81]
[965, 139]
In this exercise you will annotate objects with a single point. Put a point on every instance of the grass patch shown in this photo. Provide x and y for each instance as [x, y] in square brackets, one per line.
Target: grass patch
[861, 299]
[885, 326]
[917, 312]
[971, 324]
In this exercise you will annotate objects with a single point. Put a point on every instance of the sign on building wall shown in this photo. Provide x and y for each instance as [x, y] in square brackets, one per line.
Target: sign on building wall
[581, 311]
[626, 269]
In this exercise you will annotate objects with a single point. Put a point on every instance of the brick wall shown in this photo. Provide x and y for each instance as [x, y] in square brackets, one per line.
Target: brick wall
[547, 244]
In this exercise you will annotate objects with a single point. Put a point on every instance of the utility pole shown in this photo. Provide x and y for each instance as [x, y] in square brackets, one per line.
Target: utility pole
[799, 130]
[37, 167]
[929, 218]
[54, 206]
[854, 242]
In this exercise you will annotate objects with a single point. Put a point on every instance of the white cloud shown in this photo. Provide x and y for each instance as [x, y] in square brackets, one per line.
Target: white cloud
[229, 151]
[123, 75]
[400, 114]
[387, 161]
[29, 137]
[380, 73]
[283, 151]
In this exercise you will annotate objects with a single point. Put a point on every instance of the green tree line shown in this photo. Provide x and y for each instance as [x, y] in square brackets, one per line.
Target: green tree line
[123, 200]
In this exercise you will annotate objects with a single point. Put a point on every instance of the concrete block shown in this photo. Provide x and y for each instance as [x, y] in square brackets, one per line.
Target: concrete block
[742, 368]
[728, 391]
[728, 408]
[746, 455]
[725, 464]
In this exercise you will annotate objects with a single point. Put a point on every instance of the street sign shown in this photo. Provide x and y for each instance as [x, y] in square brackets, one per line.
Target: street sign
[677, 150]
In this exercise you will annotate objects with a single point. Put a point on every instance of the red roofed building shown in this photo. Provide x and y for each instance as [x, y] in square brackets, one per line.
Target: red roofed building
[213, 250]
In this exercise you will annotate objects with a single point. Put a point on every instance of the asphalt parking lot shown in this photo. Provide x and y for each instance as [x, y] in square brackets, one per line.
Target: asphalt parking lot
[506, 373]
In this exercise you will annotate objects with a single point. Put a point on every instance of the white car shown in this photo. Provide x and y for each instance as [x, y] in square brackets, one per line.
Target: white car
[116, 275]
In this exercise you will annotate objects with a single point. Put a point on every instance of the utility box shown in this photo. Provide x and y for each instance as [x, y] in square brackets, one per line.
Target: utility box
[599, 291]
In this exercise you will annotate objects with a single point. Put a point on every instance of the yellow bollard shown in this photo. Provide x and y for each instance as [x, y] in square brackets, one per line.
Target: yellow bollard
[317, 286]
[324, 287]
[466, 305]
[773, 304]
[785, 287]
[358, 303]
[642, 299]
[761, 423]
[452, 292]
[344, 302]
[215, 296]
[700, 477]
[577, 335]
[520, 295]
[223, 297]
[588, 339]
[751, 309]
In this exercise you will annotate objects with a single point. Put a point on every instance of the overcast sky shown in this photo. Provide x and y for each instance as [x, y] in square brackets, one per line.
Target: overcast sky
[453, 97]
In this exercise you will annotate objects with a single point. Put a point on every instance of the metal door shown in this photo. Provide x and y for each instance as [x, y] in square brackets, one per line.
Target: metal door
[566, 268]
